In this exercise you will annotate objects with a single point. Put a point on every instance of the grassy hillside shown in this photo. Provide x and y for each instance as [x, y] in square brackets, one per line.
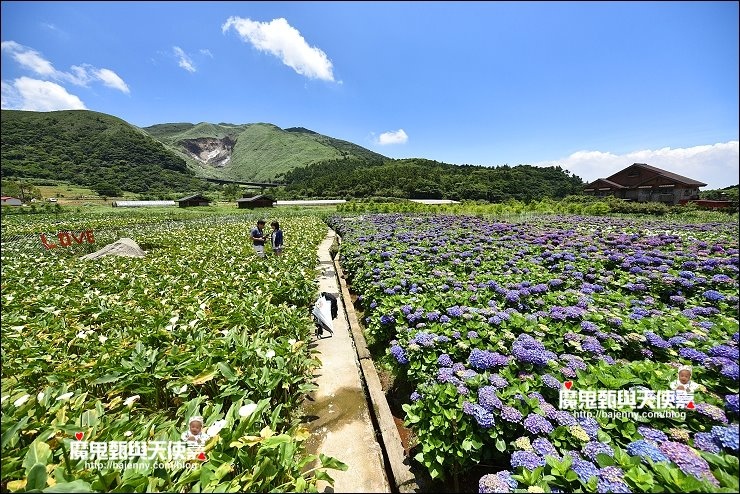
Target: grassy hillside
[261, 151]
[90, 149]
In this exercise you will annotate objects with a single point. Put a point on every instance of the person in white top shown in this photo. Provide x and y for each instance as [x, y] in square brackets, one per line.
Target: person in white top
[684, 381]
[195, 436]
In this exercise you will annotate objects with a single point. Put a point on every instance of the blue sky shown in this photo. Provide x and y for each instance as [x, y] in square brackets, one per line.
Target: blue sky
[592, 87]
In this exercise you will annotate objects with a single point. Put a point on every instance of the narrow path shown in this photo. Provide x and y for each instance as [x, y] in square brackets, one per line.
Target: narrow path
[340, 421]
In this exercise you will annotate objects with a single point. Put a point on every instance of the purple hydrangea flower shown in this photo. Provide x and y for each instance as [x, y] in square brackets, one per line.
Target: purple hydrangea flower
[537, 424]
[565, 418]
[543, 448]
[488, 399]
[527, 460]
[498, 381]
[712, 411]
[593, 448]
[713, 295]
[551, 382]
[415, 396]
[497, 482]
[511, 414]
[483, 359]
[731, 404]
[611, 480]
[688, 461]
[527, 349]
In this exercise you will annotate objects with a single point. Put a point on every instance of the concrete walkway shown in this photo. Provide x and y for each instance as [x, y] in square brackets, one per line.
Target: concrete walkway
[340, 421]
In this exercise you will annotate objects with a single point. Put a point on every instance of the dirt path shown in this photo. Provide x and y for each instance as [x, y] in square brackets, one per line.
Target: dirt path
[340, 421]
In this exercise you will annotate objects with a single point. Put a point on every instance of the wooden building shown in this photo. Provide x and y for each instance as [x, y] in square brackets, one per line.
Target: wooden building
[260, 201]
[644, 183]
[194, 200]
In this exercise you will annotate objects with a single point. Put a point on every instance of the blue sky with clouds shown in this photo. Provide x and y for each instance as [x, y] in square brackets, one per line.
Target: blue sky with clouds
[592, 87]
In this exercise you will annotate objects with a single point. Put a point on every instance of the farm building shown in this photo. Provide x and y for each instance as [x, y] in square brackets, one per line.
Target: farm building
[11, 201]
[259, 201]
[644, 183]
[194, 200]
[142, 204]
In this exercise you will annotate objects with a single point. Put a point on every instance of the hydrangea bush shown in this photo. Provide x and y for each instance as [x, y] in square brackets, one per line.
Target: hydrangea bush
[486, 321]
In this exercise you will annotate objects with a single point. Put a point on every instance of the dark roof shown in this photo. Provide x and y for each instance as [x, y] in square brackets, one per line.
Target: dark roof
[607, 182]
[194, 196]
[252, 199]
[665, 173]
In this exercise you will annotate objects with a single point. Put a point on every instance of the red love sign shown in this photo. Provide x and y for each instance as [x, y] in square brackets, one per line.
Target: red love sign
[690, 406]
[201, 456]
[568, 384]
[79, 435]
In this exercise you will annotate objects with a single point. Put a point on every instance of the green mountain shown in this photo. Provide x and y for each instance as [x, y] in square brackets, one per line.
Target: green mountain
[90, 149]
[253, 152]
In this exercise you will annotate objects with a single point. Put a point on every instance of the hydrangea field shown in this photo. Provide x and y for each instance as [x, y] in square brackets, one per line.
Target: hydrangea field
[125, 350]
[489, 322]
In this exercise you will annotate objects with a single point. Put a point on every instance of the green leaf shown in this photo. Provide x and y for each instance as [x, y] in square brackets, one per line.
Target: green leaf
[226, 371]
[205, 376]
[331, 462]
[78, 485]
[500, 445]
[38, 452]
[108, 378]
[37, 477]
[604, 460]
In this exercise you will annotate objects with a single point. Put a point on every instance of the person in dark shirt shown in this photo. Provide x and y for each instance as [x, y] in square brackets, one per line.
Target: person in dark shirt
[276, 238]
[258, 238]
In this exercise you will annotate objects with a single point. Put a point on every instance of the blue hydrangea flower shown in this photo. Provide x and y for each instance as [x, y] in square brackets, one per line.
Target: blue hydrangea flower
[488, 399]
[651, 434]
[584, 469]
[483, 359]
[400, 354]
[483, 417]
[731, 404]
[713, 295]
[415, 396]
[705, 441]
[611, 480]
[645, 449]
[590, 425]
[498, 381]
[444, 360]
[726, 436]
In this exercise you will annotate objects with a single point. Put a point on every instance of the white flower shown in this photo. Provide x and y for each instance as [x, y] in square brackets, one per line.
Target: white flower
[40, 396]
[270, 353]
[102, 339]
[292, 341]
[65, 396]
[128, 433]
[20, 401]
[2, 400]
[182, 389]
[216, 427]
[82, 335]
[131, 400]
[247, 410]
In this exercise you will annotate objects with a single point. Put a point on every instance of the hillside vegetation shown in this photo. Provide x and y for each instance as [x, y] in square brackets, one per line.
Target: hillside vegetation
[427, 179]
[91, 149]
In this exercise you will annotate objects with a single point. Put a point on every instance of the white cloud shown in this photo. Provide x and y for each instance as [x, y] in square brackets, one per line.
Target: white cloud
[184, 60]
[206, 52]
[36, 95]
[111, 79]
[282, 40]
[28, 58]
[393, 137]
[715, 164]
[80, 75]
